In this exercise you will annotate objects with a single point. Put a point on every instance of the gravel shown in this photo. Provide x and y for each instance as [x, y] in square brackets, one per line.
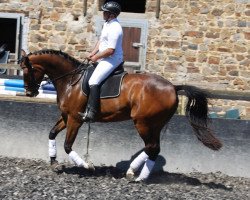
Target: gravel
[34, 179]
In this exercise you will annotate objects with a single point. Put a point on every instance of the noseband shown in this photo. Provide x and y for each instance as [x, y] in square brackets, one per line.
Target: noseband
[33, 86]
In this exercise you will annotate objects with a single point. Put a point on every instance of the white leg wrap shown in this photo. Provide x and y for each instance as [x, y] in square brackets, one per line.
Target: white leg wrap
[52, 148]
[146, 170]
[77, 160]
[138, 161]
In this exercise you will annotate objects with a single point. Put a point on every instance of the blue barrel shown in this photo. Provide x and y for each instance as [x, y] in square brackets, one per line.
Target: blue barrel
[14, 83]
[48, 87]
[232, 113]
[17, 89]
[48, 92]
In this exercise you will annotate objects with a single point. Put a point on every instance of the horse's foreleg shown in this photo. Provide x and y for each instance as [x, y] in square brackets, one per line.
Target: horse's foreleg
[72, 130]
[59, 126]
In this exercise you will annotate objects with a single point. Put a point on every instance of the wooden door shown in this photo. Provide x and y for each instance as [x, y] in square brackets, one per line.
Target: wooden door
[134, 41]
[131, 37]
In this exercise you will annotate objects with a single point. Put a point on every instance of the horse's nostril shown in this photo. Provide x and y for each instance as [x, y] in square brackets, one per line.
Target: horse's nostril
[31, 93]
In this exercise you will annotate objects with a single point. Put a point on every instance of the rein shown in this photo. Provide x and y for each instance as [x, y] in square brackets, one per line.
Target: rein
[82, 67]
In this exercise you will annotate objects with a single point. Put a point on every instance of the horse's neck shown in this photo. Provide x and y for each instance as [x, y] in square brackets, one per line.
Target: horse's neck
[55, 66]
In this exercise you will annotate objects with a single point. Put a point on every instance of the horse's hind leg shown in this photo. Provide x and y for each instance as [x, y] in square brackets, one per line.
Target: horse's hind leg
[59, 126]
[151, 139]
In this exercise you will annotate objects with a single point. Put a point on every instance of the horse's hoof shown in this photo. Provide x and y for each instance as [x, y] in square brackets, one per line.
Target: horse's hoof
[135, 182]
[139, 180]
[130, 174]
[55, 166]
[54, 163]
[91, 166]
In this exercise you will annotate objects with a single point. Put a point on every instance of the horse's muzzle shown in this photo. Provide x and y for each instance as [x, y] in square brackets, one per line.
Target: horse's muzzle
[31, 93]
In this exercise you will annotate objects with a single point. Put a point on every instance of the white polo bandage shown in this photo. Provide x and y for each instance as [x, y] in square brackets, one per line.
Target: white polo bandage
[52, 148]
[77, 160]
[146, 170]
[138, 161]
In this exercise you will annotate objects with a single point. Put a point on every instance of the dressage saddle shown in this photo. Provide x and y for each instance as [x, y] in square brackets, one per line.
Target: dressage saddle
[110, 87]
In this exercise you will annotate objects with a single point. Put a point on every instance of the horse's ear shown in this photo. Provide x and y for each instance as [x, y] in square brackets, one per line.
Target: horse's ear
[23, 53]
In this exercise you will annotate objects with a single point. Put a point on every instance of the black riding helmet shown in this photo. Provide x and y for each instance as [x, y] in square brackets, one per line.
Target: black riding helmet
[112, 7]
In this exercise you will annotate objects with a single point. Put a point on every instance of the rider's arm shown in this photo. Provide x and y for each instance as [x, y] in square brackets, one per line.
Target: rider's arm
[106, 53]
[95, 50]
[115, 33]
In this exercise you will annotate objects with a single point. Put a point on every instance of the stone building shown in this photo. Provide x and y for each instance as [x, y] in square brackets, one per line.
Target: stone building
[200, 42]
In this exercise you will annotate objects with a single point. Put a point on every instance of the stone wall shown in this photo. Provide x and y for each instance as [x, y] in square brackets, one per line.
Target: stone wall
[204, 43]
[200, 42]
[56, 24]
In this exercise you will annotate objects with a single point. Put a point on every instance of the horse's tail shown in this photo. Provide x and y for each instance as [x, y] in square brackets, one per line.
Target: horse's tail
[197, 113]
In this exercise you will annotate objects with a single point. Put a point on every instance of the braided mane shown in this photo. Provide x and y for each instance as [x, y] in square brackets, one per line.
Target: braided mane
[56, 52]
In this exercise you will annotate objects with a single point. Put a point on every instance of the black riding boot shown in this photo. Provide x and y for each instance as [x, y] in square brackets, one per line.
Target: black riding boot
[93, 105]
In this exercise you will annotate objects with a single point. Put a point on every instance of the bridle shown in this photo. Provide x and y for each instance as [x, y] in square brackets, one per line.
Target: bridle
[81, 68]
[33, 86]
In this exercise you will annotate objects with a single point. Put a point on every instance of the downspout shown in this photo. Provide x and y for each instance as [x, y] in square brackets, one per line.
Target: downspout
[158, 9]
[85, 8]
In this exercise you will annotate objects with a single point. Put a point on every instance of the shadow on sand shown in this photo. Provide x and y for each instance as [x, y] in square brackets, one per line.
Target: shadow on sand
[158, 176]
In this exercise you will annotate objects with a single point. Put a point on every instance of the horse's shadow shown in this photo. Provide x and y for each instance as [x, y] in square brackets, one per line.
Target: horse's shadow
[159, 176]
[178, 178]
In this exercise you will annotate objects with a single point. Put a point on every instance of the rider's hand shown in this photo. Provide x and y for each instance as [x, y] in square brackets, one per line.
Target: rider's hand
[94, 58]
[89, 56]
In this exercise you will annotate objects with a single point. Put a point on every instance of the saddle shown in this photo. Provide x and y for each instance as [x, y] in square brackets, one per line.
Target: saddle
[110, 87]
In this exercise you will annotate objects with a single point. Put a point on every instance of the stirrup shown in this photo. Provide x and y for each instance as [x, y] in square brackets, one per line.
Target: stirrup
[88, 116]
[83, 115]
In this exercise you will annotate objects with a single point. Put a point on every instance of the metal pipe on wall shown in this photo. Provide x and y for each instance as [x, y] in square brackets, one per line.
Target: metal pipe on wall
[85, 8]
[158, 9]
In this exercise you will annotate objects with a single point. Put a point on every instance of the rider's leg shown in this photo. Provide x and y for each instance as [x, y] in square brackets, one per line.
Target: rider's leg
[101, 72]
[93, 105]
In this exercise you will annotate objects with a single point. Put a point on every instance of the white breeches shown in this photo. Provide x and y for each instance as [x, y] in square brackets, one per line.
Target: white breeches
[105, 67]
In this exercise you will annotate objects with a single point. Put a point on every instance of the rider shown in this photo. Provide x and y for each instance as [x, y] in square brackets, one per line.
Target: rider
[108, 51]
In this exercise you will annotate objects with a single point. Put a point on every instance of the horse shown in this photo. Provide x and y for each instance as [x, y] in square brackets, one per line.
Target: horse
[148, 99]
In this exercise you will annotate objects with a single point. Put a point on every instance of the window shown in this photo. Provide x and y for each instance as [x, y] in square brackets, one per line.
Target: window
[11, 35]
[8, 33]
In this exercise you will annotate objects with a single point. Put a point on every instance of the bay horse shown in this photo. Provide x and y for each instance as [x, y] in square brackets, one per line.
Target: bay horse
[148, 99]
